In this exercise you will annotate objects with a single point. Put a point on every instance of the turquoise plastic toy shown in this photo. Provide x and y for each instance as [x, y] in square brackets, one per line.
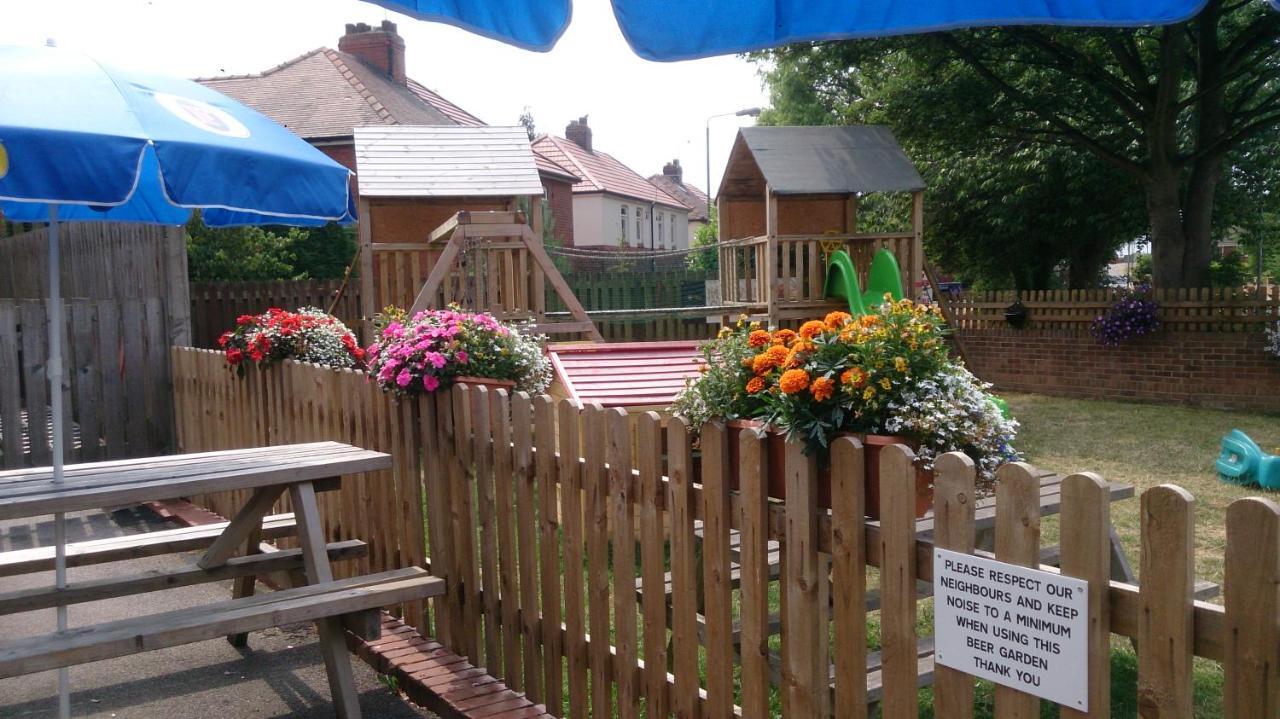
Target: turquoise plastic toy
[1242, 461]
[842, 281]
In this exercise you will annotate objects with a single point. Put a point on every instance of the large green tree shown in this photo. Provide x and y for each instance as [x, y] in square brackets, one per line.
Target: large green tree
[1176, 113]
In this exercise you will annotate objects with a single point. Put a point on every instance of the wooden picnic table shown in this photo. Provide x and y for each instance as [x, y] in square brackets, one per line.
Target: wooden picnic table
[267, 473]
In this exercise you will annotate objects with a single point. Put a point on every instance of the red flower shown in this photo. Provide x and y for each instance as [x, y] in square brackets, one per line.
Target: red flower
[224, 339]
[246, 319]
[234, 356]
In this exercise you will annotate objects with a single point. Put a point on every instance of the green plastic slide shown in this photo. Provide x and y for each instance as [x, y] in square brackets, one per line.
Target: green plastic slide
[842, 280]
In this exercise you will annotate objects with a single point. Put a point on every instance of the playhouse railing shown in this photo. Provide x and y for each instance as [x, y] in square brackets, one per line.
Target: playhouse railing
[595, 565]
[784, 274]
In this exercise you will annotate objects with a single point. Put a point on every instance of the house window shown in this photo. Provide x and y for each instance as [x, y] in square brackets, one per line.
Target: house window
[639, 226]
[624, 223]
[662, 233]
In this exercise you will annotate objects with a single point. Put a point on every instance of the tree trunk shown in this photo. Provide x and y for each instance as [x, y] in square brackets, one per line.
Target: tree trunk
[1168, 237]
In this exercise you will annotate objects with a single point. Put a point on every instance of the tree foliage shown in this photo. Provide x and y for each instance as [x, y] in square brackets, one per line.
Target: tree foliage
[237, 254]
[1138, 131]
[704, 257]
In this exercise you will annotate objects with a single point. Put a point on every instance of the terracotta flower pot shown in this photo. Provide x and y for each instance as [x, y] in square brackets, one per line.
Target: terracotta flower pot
[488, 382]
[872, 444]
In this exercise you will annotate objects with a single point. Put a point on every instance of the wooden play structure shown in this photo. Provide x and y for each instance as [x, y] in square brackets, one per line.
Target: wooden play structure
[469, 183]
[789, 199]
[493, 261]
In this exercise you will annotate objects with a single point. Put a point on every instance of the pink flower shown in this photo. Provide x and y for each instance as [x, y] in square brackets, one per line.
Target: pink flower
[430, 383]
[462, 356]
[404, 378]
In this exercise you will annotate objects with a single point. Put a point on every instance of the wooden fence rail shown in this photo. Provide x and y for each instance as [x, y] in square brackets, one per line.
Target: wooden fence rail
[597, 563]
[1187, 310]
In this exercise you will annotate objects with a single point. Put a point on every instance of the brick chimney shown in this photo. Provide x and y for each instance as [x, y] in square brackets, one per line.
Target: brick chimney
[380, 48]
[674, 171]
[579, 133]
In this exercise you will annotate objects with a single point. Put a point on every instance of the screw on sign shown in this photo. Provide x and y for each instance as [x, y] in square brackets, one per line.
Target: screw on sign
[1019, 627]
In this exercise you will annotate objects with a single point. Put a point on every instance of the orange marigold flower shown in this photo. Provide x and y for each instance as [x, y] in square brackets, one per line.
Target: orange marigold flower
[854, 377]
[778, 354]
[792, 360]
[837, 319]
[784, 337]
[755, 385]
[822, 388]
[762, 363]
[793, 380]
[812, 329]
[870, 320]
[758, 338]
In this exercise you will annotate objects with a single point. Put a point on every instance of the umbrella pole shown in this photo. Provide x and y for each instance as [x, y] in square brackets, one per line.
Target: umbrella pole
[54, 368]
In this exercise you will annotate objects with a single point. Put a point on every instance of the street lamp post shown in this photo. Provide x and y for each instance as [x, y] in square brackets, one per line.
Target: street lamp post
[748, 112]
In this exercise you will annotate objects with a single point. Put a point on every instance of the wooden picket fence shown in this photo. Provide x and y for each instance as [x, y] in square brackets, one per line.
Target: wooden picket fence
[1217, 309]
[596, 563]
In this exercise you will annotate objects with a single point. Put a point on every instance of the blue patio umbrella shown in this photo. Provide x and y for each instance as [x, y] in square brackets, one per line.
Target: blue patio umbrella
[666, 30]
[83, 142]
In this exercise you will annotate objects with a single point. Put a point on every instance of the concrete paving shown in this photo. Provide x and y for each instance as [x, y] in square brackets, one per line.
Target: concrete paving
[280, 674]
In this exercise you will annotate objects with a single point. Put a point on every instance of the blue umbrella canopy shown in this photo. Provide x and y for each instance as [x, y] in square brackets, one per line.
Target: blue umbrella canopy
[109, 144]
[663, 30]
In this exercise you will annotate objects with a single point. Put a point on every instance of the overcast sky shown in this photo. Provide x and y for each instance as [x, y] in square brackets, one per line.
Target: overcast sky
[644, 113]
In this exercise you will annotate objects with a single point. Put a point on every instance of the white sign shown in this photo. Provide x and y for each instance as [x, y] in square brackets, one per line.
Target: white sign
[1019, 627]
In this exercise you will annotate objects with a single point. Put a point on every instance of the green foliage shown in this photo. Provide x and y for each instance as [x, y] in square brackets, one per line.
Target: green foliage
[267, 253]
[1001, 212]
[1234, 270]
[705, 258]
[1142, 269]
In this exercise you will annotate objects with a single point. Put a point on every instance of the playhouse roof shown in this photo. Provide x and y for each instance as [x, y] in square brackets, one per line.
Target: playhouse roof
[625, 374]
[818, 160]
[445, 161]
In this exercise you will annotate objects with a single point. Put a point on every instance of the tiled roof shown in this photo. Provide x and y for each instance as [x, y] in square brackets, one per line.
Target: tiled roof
[625, 374]
[326, 93]
[547, 166]
[452, 111]
[692, 197]
[601, 172]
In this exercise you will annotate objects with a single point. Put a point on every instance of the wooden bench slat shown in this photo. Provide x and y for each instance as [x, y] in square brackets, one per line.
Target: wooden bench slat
[287, 560]
[133, 546]
[192, 624]
[173, 460]
[48, 498]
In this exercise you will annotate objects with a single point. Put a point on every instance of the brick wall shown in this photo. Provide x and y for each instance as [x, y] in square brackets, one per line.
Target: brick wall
[560, 197]
[1226, 370]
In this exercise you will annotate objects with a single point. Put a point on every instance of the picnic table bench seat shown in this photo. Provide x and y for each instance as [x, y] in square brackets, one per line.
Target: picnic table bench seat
[192, 624]
[134, 546]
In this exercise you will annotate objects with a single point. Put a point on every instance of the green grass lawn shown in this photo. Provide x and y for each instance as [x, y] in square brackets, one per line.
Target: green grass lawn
[1145, 445]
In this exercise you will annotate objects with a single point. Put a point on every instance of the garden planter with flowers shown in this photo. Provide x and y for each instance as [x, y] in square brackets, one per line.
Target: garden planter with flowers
[436, 349]
[308, 335]
[885, 377]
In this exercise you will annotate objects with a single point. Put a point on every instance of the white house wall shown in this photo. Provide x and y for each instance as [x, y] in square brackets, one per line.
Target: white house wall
[597, 221]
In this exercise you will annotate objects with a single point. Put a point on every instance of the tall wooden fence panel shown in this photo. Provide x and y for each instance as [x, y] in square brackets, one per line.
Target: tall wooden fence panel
[116, 397]
[599, 564]
[216, 305]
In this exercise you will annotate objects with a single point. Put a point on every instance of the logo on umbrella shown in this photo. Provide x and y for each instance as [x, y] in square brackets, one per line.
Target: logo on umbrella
[4, 161]
[202, 115]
